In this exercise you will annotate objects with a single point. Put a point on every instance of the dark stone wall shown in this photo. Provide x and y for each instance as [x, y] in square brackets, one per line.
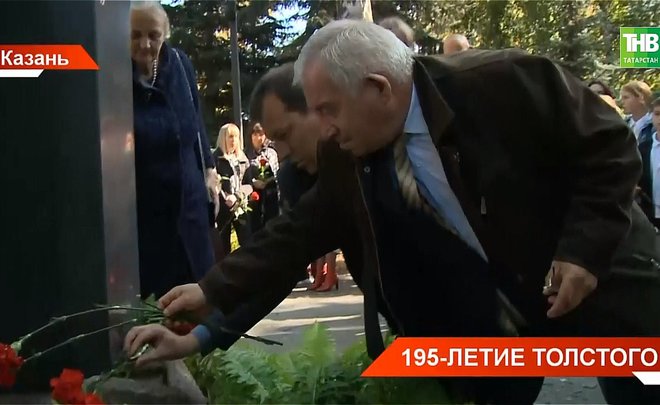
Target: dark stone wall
[51, 217]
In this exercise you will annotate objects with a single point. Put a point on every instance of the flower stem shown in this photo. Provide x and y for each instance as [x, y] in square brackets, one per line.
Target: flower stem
[58, 319]
[125, 308]
[78, 337]
[152, 306]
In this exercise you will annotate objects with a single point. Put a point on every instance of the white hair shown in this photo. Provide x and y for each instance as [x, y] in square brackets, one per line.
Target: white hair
[352, 49]
[155, 7]
[399, 27]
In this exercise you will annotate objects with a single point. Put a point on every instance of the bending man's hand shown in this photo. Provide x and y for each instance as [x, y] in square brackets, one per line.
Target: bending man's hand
[571, 284]
[185, 298]
[166, 345]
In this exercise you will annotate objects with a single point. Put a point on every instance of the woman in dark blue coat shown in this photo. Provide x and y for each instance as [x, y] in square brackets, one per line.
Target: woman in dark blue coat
[172, 159]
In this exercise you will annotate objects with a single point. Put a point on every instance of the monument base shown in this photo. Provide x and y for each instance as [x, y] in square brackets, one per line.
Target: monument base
[172, 383]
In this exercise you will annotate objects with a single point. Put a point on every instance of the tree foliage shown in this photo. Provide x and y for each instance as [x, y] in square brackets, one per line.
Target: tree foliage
[582, 35]
[202, 30]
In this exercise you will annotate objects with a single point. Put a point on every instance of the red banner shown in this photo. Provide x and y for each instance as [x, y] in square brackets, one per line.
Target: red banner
[519, 357]
[45, 57]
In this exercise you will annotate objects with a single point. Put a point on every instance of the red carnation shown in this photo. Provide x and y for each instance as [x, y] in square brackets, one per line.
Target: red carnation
[263, 161]
[10, 363]
[67, 388]
[182, 328]
[93, 399]
[254, 196]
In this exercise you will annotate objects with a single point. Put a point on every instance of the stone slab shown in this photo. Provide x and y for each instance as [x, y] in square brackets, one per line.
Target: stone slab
[25, 399]
[170, 384]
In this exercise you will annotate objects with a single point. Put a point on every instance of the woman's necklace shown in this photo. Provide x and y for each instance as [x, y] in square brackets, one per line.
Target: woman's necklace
[154, 72]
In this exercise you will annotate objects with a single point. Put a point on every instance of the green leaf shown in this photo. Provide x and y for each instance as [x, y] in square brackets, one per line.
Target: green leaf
[311, 374]
[150, 301]
[318, 345]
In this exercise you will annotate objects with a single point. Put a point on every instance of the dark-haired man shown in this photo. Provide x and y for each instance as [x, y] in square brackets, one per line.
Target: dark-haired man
[282, 111]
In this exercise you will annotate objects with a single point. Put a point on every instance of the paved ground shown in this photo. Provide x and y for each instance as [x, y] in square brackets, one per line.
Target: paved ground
[341, 312]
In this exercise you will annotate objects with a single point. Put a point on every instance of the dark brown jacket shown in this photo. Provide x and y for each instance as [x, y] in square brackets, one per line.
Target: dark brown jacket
[554, 166]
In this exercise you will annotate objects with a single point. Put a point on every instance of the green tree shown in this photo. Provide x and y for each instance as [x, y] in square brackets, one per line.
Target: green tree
[201, 30]
[582, 35]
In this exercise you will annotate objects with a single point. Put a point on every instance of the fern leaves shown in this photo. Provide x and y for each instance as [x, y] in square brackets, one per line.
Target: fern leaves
[313, 374]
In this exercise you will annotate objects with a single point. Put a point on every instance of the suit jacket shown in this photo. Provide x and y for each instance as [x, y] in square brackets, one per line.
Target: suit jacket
[554, 167]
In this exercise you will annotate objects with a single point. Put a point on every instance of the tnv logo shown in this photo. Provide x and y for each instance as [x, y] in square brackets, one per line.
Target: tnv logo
[642, 42]
[640, 47]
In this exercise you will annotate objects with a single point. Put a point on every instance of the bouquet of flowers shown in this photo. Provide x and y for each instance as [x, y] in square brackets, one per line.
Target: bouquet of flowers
[242, 205]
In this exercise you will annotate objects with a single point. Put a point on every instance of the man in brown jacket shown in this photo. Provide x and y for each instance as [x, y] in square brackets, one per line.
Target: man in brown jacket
[443, 180]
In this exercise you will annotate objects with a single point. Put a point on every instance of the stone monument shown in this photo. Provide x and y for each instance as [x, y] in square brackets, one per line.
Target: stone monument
[68, 218]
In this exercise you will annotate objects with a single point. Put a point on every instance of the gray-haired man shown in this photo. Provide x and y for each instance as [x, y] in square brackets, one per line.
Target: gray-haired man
[405, 172]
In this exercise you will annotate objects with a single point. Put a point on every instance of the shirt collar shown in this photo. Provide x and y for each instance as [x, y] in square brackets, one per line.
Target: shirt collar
[643, 119]
[656, 142]
[415, 123]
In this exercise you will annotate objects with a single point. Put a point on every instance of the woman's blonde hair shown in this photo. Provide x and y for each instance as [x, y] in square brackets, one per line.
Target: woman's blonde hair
[225, 131]
[155, 8]
[639, 89]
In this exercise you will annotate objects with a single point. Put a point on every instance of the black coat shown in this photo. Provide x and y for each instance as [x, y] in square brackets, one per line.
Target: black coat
[293, 182]
[172, 201]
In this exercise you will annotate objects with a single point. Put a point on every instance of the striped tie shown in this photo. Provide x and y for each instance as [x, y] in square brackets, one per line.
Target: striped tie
[408, 185]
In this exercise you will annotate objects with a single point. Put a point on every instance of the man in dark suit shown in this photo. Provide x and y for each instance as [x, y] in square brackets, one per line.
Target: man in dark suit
[415, 149]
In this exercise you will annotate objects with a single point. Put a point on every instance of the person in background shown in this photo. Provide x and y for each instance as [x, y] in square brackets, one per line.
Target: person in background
[455, 43]
[600, 88]
[233, 168]
[649, 184]
[400, 29]
[174, 170]
[263, 172]
[612, 103]
[324, 271]
[636, 99]
[606, 94]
